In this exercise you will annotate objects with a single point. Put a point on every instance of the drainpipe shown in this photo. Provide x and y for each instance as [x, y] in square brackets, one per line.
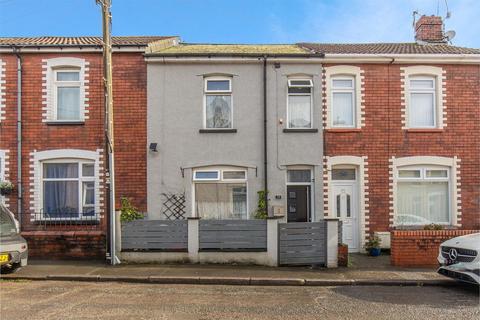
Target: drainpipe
[19, 136]
[265, 166]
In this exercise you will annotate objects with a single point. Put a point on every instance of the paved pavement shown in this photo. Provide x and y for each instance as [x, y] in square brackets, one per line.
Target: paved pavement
[363, 270]
[112, 300]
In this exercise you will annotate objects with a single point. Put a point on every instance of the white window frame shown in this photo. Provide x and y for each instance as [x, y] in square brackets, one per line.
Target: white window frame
[217, 93]
[423, 177]
[309, 183]
[229, 90]
[67, 84]
[338, 71]
[81, 179]
[206, 179]
[432, 91]
[290, 85]
[233, 179]
[351, 90]
[218, 181]
[440, 110]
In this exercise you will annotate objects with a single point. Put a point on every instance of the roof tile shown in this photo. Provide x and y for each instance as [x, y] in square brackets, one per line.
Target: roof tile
[79, 41]
[386, 48]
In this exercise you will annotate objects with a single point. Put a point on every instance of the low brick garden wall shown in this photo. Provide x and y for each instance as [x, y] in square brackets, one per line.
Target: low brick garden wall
[419, 248]
[65, 244]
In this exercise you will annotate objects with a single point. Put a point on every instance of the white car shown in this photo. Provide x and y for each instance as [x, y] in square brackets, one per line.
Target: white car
[459, 258]
[13, 247]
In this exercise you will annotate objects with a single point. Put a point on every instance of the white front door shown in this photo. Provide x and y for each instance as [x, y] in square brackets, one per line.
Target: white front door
[345, 207]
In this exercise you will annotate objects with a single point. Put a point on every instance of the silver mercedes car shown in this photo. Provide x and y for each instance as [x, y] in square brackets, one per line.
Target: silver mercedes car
[459, 258]
[13, 247]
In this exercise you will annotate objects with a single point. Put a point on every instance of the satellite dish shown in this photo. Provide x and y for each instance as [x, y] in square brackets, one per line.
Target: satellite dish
[449, 35]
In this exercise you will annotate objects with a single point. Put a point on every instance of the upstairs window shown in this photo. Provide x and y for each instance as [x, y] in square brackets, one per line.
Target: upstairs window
[422, 102]
[299, 105]
[218, 103]
[67, 95]
[343, 101]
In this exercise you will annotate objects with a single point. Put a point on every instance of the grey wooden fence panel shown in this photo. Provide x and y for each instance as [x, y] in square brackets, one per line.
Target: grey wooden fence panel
[155, 235]
[302, 243]
[233, 235]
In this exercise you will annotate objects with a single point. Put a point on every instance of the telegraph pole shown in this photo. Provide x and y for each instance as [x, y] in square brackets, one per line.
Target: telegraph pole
[109, 134]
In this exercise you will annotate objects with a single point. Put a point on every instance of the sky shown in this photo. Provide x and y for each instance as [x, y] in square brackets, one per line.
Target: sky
[242, 21]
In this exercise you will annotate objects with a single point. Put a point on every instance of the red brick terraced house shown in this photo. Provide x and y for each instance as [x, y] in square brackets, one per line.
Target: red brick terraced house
[402, 134]
[52, 143]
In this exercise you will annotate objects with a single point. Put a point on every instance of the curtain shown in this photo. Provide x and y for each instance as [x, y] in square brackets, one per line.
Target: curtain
[421, 110]
[60, 197]
[299, 111]
[422, 203]
[342, 111]
[221, 201]
[218, 111]
[68, 103]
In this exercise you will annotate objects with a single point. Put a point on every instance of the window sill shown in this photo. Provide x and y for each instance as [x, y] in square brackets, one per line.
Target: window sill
[217, 131]
[300, 130]
[65, 123]
[343, 130]
[426, 130]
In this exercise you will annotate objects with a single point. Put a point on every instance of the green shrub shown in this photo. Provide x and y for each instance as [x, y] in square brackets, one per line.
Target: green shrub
[128, 212]
[261, 212]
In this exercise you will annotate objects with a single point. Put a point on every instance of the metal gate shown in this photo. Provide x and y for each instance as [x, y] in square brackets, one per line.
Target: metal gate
[302, 243]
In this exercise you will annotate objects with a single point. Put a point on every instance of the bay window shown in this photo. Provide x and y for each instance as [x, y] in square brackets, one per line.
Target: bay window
[220, 194]
[423, 196]
[218, 103]
[68, 189]
[299, 104]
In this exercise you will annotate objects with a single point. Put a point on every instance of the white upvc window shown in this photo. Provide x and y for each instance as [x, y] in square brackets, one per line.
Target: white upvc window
[220, 193]
[299, 104]
[423, 195]
[422, 107]
[343, 113]
[218, 109]
[68, 189]
[67, 94]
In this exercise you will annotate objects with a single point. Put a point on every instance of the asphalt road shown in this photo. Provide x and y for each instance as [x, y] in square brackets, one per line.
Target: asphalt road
[82, 300]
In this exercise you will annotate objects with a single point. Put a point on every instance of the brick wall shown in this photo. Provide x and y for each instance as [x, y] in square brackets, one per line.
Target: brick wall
[130, 103]
[65, 244]
[417, 248]
[382, 137]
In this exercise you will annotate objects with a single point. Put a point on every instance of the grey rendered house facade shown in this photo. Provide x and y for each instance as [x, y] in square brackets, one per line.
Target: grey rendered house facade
[206, 128]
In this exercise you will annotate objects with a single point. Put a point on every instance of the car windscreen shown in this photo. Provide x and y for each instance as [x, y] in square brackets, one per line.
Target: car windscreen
[7, 225]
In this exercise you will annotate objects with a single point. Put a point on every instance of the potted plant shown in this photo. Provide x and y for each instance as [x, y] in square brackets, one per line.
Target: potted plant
[373, 246]
[6, 188]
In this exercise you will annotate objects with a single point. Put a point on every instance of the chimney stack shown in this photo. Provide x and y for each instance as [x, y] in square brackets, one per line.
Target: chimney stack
[429, 29]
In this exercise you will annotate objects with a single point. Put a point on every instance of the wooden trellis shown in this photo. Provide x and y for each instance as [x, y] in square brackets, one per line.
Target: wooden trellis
[174, 206]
